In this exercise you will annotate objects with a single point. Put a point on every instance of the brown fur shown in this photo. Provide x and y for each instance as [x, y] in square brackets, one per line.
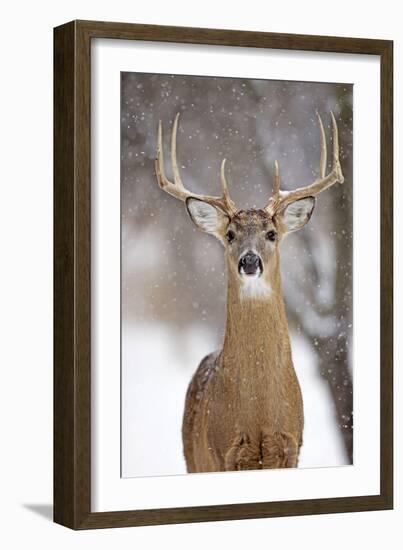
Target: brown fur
[244, 407]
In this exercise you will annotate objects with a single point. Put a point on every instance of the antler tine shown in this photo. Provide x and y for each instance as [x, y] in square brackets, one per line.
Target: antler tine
[323, 150]
[229, 203]
[274, 200]
[276, 182]
[177, 189]
[159, 162]
[175, 169]
[323, 182]
[336, 161]
[224, 185]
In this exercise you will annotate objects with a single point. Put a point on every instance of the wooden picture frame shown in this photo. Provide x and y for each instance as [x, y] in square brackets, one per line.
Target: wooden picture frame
[72, 271]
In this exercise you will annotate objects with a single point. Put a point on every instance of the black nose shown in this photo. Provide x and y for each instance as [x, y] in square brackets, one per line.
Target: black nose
[250, 264]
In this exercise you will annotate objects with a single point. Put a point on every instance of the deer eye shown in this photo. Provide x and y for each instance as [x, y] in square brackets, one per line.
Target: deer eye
[230, 236]
[271, 235]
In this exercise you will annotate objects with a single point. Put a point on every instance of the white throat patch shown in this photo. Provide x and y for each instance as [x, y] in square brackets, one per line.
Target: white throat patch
[254, 287]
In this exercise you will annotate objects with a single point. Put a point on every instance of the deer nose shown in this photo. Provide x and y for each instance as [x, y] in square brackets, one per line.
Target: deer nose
[250, 264]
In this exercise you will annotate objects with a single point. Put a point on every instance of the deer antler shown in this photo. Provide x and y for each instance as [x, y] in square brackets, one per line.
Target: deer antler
[281, 199]
[177, 189]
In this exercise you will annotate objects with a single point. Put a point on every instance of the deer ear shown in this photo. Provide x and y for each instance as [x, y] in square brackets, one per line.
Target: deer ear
[297, 214]
[206, 217]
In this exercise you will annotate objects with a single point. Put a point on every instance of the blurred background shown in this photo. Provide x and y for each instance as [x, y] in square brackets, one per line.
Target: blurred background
[173, 279]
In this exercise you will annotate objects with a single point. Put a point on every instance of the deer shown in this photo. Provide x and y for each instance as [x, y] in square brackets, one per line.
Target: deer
[244, 407]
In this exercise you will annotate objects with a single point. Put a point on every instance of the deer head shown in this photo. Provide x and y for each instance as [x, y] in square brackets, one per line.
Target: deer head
[251, 237]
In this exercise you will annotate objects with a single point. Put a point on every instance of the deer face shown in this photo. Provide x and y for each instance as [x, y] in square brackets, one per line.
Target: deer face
[251, 238]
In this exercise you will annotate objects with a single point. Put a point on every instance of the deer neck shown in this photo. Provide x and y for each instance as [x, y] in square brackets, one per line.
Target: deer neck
[256, 335]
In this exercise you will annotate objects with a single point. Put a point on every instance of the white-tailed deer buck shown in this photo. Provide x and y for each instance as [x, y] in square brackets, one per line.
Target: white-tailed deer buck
[243, 407]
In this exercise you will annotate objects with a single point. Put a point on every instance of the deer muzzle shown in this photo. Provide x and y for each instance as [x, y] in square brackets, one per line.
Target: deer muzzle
[250, 264]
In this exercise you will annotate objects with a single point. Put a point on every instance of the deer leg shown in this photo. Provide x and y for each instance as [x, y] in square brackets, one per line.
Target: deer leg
[279, 450]
[242, 455]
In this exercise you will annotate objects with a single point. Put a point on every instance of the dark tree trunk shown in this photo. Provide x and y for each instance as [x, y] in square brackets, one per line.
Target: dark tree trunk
[332, 356]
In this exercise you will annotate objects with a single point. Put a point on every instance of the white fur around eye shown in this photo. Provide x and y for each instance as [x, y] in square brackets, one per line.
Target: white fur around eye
[298, 213]
[208, 218]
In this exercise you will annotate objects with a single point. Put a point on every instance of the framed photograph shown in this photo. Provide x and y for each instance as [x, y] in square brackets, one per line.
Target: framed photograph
[222, 275]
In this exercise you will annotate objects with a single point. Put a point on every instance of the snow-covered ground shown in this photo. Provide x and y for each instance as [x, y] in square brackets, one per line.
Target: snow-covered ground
[158, 362]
